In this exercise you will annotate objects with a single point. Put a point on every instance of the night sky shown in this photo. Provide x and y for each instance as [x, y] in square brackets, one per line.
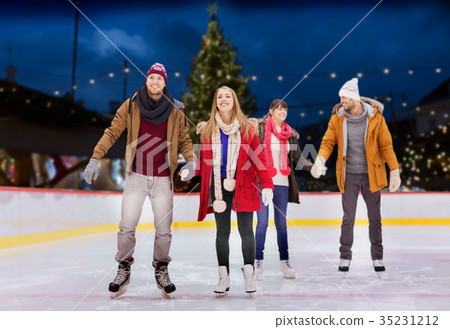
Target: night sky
[273, 38]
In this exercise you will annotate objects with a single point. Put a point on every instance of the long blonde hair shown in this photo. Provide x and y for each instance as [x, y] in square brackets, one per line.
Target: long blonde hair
[211, 126]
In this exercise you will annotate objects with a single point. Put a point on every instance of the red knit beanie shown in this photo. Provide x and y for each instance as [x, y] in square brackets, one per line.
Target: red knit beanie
[158, 68]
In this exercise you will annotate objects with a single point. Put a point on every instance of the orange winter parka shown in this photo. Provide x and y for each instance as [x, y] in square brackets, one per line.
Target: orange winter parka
[378, 142]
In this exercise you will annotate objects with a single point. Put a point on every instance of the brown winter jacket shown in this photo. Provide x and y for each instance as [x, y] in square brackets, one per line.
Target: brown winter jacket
[296, 160]
[378, 143]
[130, 117]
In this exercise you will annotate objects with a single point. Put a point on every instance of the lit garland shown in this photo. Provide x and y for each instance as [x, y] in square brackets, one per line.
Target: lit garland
[276, 76]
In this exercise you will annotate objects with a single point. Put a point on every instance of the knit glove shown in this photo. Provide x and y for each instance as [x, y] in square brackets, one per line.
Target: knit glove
[91, 171]
[266, 196]
[394, 180]
[188, 171]
[319, 169]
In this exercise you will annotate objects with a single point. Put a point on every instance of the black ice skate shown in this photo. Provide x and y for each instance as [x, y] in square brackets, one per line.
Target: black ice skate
[119, 285]
[163, 280]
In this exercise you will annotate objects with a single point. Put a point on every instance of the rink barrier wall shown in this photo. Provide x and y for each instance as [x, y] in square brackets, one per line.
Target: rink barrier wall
[29, 216]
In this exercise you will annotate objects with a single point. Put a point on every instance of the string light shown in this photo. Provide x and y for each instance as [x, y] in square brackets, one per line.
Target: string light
[280, 77]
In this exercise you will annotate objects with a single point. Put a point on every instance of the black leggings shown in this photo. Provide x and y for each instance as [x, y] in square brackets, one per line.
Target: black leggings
[223, 225]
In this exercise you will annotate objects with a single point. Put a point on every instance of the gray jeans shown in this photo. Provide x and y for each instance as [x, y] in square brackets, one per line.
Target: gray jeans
[137, 188]
[354, 183]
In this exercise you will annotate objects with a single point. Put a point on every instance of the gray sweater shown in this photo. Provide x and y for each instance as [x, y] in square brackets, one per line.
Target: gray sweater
[356, 150]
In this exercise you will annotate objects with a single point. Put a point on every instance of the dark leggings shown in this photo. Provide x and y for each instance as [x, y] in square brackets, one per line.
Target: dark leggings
[223, 225]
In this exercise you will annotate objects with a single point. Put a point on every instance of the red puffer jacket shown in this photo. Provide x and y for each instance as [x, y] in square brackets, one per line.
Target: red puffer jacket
[251, 162]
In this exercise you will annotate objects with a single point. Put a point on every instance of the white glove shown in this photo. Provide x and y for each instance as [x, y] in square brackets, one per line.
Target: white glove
[188, 171]
[266, 196]
[394, 180]
[319, 168]
[91, 171]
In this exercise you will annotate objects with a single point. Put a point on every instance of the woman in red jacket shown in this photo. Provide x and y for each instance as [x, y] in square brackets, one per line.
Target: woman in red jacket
[230, 159]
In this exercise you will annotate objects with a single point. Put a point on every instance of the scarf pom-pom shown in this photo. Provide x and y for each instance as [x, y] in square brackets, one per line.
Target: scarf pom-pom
[285, 172]
[273, 171]
[229, 184]
[219, 206]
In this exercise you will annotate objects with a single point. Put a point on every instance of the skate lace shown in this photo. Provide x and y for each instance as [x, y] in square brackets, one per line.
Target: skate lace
[378, 262]
[344, 262]
[163, 277]
[248, 282]
[122, 274]
[288, 265]
[222, 281]
[258, 263]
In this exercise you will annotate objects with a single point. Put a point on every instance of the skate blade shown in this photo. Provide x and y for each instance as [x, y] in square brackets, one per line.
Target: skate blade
[344, 275]
[250, 293]
[289, 276]
[379, 275]
[221, 294]
[120, 292]
[167, 295]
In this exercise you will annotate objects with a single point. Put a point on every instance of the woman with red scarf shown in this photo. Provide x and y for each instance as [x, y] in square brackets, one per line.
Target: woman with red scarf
[282, 154]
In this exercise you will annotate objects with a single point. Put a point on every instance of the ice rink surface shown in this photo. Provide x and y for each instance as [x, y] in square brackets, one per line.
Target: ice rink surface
[74, 274]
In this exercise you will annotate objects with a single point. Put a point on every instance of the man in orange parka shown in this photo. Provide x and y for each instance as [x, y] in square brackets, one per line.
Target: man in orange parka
[359, 129]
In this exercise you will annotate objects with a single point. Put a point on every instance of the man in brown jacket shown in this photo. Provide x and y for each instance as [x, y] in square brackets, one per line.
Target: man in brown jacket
[359, 129]
[156, 130]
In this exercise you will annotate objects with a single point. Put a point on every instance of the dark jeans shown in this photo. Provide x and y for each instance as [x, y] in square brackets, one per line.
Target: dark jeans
[353, 183]
[280, 202]
[223, 225]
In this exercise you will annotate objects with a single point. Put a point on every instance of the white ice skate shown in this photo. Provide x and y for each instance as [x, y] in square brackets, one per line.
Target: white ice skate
[378, 266]
[258, 267]
[249, 279]
[344, 265]
[288, 271]
[224, 282]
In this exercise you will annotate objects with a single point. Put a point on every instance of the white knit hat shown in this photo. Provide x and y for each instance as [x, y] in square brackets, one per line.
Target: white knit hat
[350, 89]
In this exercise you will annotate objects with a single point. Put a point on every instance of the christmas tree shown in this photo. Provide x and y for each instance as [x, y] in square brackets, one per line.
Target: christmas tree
[215, 65]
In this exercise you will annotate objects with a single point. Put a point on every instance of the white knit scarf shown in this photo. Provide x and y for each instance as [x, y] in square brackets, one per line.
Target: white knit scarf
[234, 145]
